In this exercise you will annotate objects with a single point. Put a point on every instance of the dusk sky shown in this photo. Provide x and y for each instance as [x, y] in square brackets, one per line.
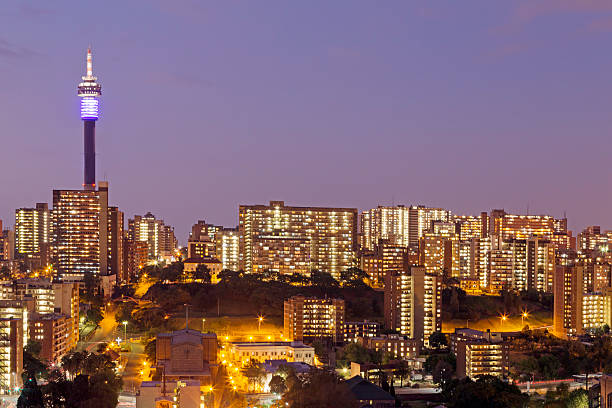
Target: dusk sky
[468, 105]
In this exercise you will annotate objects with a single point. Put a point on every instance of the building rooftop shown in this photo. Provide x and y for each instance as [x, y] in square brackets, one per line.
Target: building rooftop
[364, 390]
[272, 366]
[294, 344]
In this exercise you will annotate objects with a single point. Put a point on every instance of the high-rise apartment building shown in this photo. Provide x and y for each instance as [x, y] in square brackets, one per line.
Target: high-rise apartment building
[11, 354]
[439, 253]
[480, 251]
[80, 239]
[135, 257]
[399, 225]
[308, 319]
[510, 226]
[421, 219]
[33, 233]
[575, 310]
[7, 245]
[202, 238]
[480, 357]
[470, 226]
[385, 223]
[592, 239]
[284, 239]
[227, 248]
[115, 243]
[413, 303]
[384, 258]
[159, 236]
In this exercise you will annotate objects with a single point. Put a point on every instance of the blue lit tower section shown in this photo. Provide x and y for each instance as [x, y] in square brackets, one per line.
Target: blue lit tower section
[89, 91]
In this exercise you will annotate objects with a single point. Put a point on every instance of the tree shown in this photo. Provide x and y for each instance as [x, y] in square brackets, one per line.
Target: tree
[254, 374]
[277, 384]
[323, 279]
[402, 371]
[150, 350]
[486, 392]
[32, 365]
[31, 396]
[353, 276]
[577, 399]
[437, 340]
[318, 388]
[549, 366]
[92, 283]
[202, 273]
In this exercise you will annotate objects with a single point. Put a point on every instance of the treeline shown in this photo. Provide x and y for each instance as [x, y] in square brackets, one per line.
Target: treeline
[238, 293]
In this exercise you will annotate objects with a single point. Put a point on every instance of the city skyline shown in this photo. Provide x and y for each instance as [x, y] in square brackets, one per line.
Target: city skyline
[208, 127]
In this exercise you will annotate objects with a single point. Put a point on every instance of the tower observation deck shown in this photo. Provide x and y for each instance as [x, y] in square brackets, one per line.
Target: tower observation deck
[89, 91]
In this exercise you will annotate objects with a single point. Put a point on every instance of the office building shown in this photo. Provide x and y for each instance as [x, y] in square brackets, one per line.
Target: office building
[301, 239]
[354, 330]
[33, 234]
[158, 236]
[308, 319]
[413, 303]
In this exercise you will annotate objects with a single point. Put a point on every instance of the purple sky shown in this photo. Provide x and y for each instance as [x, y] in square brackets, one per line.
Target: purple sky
[466, 105]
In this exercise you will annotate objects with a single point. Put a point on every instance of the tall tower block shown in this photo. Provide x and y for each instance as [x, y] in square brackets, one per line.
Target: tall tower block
[89, 91]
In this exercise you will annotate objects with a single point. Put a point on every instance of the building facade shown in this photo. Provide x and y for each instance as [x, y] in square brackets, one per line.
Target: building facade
[301, 239]
[309, 319]
[413, 303]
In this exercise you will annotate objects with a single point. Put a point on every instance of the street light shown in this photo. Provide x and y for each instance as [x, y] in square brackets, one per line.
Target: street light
[524, 315]
[502, 319]
[259, 320]
[125, 331]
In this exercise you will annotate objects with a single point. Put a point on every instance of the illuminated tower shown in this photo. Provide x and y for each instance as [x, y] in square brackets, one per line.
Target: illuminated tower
[89, 90]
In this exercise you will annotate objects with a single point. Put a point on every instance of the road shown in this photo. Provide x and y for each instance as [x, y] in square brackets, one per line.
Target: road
[108, 331]
[131, 374]
[105, 333]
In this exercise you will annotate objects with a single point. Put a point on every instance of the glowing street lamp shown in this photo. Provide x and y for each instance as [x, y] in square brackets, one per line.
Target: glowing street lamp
[524, 315]
[259, 320]
[502, 319]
